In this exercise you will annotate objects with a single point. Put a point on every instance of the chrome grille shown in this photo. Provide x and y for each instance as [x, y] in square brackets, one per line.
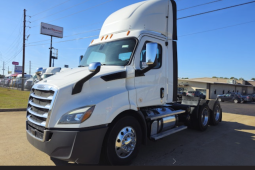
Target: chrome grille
[39, 107]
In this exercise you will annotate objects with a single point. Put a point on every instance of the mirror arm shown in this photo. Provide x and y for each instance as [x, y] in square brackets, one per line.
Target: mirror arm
[78, 86]
[139, 73]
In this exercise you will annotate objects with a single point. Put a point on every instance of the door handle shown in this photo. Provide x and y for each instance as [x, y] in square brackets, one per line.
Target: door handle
[162, 93]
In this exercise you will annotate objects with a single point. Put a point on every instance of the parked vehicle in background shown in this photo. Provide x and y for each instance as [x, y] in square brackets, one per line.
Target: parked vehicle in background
[195, 94]
[230, 97]
[253, 97]
[50, 72]
[12, 79]
[19, 79]
[247, 98]
[30, 82]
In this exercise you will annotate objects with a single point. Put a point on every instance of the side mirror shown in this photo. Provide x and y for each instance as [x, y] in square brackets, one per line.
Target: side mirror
[151, 53]
[94, 66]
[81, 57]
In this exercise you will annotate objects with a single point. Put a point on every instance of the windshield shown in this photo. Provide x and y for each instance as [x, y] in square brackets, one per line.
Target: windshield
[46, 75]
[110, 53]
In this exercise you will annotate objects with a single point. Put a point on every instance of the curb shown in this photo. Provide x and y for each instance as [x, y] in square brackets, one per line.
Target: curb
[13, 110]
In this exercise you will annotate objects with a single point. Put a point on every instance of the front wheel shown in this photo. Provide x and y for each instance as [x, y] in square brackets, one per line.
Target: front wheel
[122, 142]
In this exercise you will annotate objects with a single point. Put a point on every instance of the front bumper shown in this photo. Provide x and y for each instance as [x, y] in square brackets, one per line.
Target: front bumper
[80, 145]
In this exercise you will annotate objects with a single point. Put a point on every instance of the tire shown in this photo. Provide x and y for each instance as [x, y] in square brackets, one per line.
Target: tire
[113, 151]
[203, 117]
[235, 101]
[216, 114]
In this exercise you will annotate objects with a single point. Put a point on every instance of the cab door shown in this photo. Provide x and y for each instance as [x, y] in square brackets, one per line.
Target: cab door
[151, 88]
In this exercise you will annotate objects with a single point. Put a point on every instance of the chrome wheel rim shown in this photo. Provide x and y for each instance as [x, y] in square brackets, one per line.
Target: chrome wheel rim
[217, 113]
[125, 142]
[219, 99]
[235, 101]
[204, 116]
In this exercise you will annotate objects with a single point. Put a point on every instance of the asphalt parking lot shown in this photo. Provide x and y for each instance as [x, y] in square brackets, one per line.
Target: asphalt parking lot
[232, 142]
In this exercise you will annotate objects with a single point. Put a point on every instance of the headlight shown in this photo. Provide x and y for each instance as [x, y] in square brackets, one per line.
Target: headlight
[77, 116]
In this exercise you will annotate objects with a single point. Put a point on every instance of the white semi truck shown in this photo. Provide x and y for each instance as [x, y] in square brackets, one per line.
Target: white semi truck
[123, 93]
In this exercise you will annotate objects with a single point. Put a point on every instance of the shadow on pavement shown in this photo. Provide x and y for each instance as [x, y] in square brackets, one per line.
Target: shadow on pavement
[229, 143]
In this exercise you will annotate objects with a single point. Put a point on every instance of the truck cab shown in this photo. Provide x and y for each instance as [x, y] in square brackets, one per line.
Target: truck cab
[123, 93]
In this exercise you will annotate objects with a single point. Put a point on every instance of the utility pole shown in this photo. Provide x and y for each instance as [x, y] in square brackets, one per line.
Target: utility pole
[3, 68]
[8, 70]
[50, 50]
[29, 67]
[24, 43]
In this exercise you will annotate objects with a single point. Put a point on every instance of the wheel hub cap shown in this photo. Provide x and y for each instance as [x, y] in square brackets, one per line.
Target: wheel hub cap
[204, 117]
[217, 113]
[125, 142]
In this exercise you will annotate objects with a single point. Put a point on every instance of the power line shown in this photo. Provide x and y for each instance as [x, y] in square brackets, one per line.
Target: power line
[216, 10]
[199, 5]
[79, 11]
[217, 28]
[66, 40]
[68, 35]
[51, 8]
[61, 10]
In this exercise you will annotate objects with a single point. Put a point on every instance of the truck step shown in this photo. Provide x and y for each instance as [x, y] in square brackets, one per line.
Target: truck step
[165, 115]
[168, 132]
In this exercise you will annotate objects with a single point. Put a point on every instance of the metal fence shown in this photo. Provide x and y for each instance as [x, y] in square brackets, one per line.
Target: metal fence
[16, 83]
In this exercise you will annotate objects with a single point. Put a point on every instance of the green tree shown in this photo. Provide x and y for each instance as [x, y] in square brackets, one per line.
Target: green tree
[233, 78]
[185, 78]
[225, 78]
[214, 77]
[241, 78]
[253, 79]
[221, 77]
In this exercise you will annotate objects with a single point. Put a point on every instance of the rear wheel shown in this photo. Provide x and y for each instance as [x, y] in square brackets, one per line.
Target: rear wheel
[203, 117]
[122, 142]
[216, 114]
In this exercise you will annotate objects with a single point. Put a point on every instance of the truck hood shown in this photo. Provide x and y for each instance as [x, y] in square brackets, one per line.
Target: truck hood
[70, 77]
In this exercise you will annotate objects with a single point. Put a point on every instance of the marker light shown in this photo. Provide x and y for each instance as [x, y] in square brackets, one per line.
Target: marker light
[92, 41]
[102, 38]
[106, 37]
[128, 32]
[111, 36]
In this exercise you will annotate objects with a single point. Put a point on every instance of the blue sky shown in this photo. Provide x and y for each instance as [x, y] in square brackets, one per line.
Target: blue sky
[223, 52]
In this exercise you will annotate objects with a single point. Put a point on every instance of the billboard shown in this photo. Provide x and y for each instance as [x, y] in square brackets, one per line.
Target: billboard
[51, 30]
[15, 63]
[18, 69]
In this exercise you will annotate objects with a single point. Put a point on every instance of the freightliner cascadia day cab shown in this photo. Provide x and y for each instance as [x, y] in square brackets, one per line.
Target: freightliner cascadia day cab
[122, 94]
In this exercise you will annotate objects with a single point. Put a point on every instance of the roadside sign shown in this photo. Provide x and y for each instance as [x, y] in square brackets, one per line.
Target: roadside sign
[18, 69]
[15, 63]
[51, 30]
[9, 72]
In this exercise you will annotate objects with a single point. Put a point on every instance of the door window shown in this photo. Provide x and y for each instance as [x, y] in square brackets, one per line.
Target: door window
[143, 57]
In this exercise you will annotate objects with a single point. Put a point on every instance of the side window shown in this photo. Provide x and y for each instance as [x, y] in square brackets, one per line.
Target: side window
[143, 57]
